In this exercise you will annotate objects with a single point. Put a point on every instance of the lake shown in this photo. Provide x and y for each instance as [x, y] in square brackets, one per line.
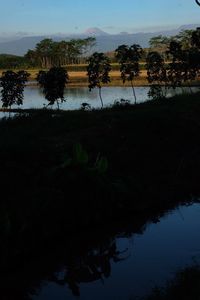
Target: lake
[113, 266]
[33, 97]
[75, 96]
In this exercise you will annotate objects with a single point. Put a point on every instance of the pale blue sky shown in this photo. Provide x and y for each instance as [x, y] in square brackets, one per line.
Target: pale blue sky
[74, 16]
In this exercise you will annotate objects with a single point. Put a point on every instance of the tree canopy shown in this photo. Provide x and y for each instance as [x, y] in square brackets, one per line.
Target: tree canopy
[128, 58]
[98, 71]
[53, 83]
[49, 53]
[12, 84]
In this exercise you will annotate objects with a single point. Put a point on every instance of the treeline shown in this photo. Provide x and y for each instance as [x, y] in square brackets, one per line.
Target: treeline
[8, 61]
[160, 43]
[183, 64]
[49, 53]
[183, 68]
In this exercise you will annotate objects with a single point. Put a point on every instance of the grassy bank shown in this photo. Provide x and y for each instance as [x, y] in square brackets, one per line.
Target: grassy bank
[62, 171]
[78, 76]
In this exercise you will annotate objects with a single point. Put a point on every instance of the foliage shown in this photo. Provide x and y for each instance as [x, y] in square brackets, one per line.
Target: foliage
[194, 53]
[85, 106]
[121, 103]
[160, 42]
[156, 92]
[98, 72]
[181, 68]
[80, 158]
[184, 37]
[8, 61]
[49, 53]
[12, 84]
[53, 83]
[196, 38]
[184, 66]
[156, 74]
[128, 58]
[155, 66]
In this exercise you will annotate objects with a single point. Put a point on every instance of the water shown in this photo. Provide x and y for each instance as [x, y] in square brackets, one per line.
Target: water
[148, 259]
[76, 96]
[33, 97]
[115, 266]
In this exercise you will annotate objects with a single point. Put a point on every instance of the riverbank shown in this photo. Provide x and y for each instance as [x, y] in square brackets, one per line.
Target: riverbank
[79, 78]
[64, 171]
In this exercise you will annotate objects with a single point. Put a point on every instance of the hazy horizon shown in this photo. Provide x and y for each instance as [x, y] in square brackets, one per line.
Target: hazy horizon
[18, 35]
[28, 18]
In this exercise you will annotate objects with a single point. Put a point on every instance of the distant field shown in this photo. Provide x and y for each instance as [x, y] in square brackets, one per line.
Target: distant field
[78, 76]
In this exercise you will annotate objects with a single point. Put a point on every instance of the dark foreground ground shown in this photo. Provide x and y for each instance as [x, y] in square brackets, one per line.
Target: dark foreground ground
[67, 171]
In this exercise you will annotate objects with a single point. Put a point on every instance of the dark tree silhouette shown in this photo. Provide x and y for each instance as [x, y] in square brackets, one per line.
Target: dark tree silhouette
[194, 54]
[98, 72]
[53, 83]
[177, 69]
[156, 74]
[128, 58]
[12, 84]
[184, 66]
[195, 39]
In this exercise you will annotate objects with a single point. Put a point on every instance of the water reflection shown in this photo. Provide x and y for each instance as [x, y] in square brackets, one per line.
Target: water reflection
[33, 97]
[76, 264]
[111, 264]
[95, 265]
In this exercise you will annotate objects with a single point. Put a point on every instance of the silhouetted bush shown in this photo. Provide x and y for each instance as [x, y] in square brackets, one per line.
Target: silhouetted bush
[53, 84]
[12, 84]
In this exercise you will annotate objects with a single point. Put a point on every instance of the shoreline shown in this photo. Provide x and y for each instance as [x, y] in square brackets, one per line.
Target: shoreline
[80, 79]
[116, 162]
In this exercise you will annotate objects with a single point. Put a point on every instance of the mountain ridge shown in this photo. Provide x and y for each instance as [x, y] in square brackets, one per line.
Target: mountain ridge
[104, 41]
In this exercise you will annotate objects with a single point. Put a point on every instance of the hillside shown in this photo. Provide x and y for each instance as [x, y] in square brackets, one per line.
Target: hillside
[104, 41]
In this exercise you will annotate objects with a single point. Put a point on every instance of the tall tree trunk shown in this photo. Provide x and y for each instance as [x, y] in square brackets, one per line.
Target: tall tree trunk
[133, 91]
[191, 92]
[100, 97]
[58, 105]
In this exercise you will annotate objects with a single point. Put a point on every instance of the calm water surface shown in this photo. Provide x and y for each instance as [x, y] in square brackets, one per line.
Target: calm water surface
[117, 266]
[140, 261]
[76, 96]
[33, 97]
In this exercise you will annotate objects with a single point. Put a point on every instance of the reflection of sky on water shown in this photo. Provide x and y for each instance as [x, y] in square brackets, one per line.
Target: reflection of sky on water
[76, 96]
[151, 259]
[33, 97]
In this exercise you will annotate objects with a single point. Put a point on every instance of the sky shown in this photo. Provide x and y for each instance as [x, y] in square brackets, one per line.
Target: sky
[30, 17]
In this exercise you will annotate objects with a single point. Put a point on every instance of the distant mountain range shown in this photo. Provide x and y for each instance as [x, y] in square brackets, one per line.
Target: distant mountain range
[104, 41]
